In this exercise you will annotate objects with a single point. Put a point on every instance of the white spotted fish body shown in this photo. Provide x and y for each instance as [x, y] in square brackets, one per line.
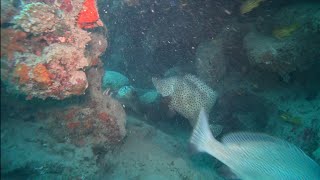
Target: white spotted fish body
[165, 86]
[188, 95]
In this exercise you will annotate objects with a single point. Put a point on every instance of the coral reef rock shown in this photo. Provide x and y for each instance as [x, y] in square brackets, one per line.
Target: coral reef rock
[281, 57]
[45, 54]
[37, 18]
[109, 111]
[58, 73]
[290, 43]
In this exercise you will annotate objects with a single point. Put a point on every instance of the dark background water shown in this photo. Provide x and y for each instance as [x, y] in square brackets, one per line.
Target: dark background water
[166, 38]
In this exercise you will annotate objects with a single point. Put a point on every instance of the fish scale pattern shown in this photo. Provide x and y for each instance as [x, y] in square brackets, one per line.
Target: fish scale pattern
[189, 95]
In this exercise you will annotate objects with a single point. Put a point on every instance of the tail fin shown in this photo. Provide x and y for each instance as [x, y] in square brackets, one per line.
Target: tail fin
[201, 136]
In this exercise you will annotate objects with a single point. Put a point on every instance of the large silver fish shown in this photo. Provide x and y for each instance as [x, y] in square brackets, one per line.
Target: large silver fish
[253, 156]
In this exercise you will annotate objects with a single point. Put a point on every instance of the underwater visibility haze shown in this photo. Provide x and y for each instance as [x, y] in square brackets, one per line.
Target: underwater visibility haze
[160, 89]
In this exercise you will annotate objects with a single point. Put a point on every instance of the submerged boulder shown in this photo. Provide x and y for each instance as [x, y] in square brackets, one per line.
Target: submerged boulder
[291, 43]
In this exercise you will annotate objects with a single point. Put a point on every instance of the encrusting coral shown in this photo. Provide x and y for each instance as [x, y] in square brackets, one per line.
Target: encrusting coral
[49, 50]
[37, 18]
[11, 42]
[48, 54]
[89, 16]
[41, 75]
[22, 73]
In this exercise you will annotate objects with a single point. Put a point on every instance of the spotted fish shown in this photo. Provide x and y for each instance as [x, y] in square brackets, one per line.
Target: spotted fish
[187, 93]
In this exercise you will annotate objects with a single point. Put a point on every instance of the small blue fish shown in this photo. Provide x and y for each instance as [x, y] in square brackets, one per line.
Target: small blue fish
[255, 156]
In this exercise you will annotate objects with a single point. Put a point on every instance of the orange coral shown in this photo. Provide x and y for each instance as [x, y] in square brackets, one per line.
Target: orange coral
[103, 116]
[89, 16]
[66, 5]
[11, 42]
[88, 124]
[79, 88]
[22, 72]
[71, 113]
[42, 75]
[73, 125]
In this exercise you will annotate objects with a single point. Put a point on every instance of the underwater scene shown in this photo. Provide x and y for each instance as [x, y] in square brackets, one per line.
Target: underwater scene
[160, 89]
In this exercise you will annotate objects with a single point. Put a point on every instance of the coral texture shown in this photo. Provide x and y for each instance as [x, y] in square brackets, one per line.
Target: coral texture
[97, 45]
[37, 18]
[293, 26]
[92, 125]
[281, 56]
[22, 72]
[41, 75]
[48, 56]
[89, 16]
[113, 126]
[11, 42]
